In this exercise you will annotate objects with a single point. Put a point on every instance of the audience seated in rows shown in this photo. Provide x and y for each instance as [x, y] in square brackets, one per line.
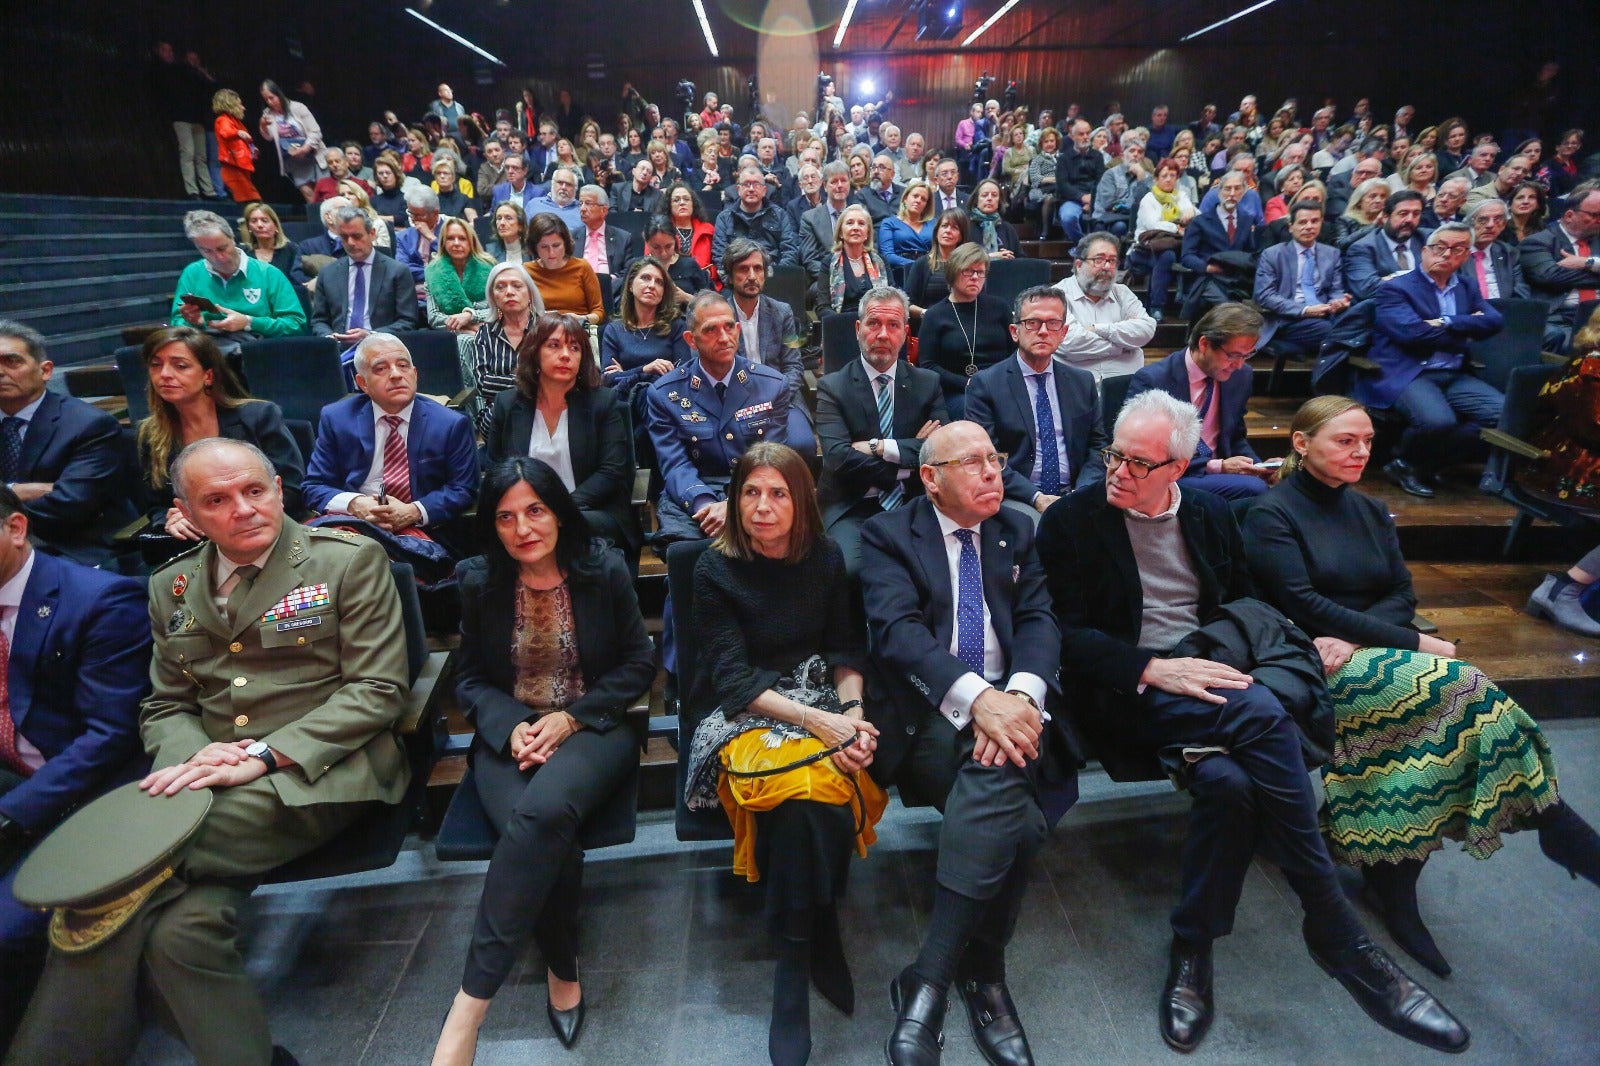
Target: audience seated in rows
[966, 332]
[363, 291]
[230, 292]
[1108, 325]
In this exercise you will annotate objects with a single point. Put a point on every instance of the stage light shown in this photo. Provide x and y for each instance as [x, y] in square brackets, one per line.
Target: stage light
[1224, 22]
[705, 28]
[844, 23]
[990, 21]
[868, 86]
[454, 36]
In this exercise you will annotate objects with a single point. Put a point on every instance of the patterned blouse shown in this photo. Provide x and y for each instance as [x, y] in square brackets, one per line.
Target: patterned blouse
[494, 367]
[544, 648]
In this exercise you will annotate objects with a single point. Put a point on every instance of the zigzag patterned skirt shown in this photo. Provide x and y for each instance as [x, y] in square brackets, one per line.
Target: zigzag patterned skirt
[1428, 750]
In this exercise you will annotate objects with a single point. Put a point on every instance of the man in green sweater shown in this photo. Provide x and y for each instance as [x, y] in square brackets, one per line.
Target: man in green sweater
[252, 299]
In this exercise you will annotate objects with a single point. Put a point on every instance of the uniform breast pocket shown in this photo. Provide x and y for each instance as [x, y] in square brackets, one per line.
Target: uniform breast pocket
[189, 647]
[297, 631]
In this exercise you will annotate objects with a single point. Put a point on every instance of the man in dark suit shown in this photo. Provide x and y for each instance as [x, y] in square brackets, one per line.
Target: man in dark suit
[76, 651]
[1297, 286]
[1034, 398]
[609, 249]
[882, 194]
[327, 242]
[1213, 373]
[388, 456]
[1421, 327]
[965, 657]
[363, 291]
[1562, 265]
[946, 196]
[1394, 247]
[818, 224]
[1133, 569]
[1493, 265]
[637, 195]
[516, 188]
[62, 457]
[1211, 234]
[873, 415]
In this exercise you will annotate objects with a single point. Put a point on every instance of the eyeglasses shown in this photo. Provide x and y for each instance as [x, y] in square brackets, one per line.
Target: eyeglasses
[1101, 260]
[1043, 325]
[973, 463]
[1450, 249]
[974, 273]
[1138, 468]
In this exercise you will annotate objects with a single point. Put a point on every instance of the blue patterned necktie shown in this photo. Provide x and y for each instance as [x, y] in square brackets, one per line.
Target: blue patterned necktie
[11, 449]
[969, 604]
[895, 496]
[1308, 277]
[358, 299]
[1049, 458]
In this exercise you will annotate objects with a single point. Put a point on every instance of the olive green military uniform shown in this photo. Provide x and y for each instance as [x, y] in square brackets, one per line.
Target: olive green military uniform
[314, 664]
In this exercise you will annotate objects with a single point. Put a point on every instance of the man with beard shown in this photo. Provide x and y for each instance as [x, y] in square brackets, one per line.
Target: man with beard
[881, 197]
[1108, 324]
[768, 335]
[1393, 248]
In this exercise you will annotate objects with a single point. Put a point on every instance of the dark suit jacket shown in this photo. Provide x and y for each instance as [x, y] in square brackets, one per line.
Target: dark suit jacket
[391, 297]
[816, 239]
[623, 198]
[321, 244]
[78, 448]
[877, 206]
[939, 206]
[80, 664]
[1547, 281]
[1094, 585]
[620, 251]
[614, 652]
[1371, 259]
[440, 449]
[1402, 337]
[999, 400]
[259, 423]
[905, 580]
[1171, 376]
[596, 437]
[1505, 263]
[776, 343]
[847, 411]
[1206, 237]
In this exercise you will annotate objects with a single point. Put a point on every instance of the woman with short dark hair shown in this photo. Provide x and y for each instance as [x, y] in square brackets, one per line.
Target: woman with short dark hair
[566, 282]
[553, 654]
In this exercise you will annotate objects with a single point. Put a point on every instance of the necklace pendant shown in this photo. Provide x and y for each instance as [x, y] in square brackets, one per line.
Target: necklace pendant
[972, 369]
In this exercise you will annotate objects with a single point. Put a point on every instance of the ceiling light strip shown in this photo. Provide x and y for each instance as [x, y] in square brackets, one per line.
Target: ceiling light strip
[1230, 18]
[1007, 6]
[844, 23]
[705, 28]
[454, 36]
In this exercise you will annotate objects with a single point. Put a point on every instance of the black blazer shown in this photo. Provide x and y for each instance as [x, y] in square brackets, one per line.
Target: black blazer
[1094, 585]
[259, 422]
[905, 581]
[847, 411]
[1540, 255]
[1505, 263]
[614, 652]
[1000, 401]
[596, 436]
[79, 449]
[391, 297]
[1171, 376]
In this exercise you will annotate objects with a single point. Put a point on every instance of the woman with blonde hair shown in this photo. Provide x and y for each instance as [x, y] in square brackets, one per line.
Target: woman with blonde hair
[908, 233]
[455, 192]
[854, 265]
[383, 233]
[235, 151]
[261, 235]
[1364, 211]
[1426, 748]
[457, 279]
[1419, 172]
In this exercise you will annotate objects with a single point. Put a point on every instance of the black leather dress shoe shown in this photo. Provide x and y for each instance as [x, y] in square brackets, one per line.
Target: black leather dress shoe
[1186, 1005]
[995, 1025]
[1401, 473]
[1393, 999]
[918, 1035]
[566, 1023]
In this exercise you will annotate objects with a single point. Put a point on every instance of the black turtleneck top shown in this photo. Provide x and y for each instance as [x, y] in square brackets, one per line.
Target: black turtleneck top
[1329, 558]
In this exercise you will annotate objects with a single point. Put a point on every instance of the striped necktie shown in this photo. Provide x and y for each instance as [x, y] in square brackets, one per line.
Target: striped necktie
[396, 467]
[891, 499]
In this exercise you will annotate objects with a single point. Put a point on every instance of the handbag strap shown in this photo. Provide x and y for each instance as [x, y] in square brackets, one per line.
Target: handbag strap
[814, 757]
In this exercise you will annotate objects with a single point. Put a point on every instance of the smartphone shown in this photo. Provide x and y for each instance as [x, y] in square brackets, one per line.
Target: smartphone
[202, 302]
[1270, 464]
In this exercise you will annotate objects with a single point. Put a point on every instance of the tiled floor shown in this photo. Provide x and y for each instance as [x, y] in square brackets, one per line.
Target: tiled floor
[360, 970]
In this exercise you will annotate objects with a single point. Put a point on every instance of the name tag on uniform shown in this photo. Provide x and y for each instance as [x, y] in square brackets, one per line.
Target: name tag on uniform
[299, 623]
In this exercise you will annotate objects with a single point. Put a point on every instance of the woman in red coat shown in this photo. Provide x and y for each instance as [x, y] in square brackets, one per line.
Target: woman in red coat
[234, 149]
[683, 210]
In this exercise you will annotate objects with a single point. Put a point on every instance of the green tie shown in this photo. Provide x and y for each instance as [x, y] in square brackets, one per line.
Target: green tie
[247, 578]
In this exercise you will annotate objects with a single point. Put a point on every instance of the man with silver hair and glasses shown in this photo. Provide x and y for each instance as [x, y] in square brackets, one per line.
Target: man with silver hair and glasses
[561, 201]
[416, 245]
[1114, 203]
[1421, 327]
[1132, 572]
[1108, 325]
[1446, 206]
[1493, 264]
[229, 292]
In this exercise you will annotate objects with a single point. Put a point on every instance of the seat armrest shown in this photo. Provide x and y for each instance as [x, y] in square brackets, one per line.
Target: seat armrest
[1496, 438]
[131, 530]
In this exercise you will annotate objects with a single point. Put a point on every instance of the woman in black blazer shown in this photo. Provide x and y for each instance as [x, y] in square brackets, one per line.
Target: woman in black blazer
[560, 413]
[193, 394]
[553, 653]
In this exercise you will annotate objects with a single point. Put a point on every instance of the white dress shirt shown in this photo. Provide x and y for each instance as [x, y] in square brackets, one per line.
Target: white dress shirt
[1046, 379]
[372, 484]
[957, 703]
[10, 603]
[749, 331]
[553, 448]
[1105, 337]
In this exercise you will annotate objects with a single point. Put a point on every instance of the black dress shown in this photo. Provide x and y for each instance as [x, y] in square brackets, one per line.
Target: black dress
[757, 621]
[954, 336]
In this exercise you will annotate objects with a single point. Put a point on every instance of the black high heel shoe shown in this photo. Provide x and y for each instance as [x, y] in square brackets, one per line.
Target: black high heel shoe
[1570, 842]
[1391, 892]
[830, 971]
[566, 1023]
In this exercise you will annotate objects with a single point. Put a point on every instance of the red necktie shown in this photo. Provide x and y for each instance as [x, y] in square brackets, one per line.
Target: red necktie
[1483, 277]
[10, 758]
[1589, 293]
[1230, 227]
[396, 467]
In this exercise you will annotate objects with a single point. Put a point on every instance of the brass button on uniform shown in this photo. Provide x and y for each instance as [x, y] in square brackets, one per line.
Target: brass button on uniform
[239, 682]
[236, 647]
[242, 721]
[730, 436]
[299, 640]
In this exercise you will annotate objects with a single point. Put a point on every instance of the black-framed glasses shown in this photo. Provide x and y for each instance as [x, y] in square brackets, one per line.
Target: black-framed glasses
[1137, 468]
[973, 463]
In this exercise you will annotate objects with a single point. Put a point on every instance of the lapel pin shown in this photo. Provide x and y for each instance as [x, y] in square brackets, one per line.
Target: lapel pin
[1002, 544]
[44, 610]
[180, 585]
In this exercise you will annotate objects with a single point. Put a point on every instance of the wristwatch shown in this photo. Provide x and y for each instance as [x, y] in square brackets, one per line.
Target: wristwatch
[875, 446]
[259, 750]
[1017, 692]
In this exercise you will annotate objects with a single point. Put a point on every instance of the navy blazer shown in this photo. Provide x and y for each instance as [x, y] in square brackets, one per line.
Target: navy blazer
[321, 244]
[79, 667]
[1000, 401]
[1371, 259]
[1277, 287]
[259, 422]
[847, 411]
[440, 449]
[1206, 236]
[1503, 261]
[1540, 255]
[1171, 376]
[905, 581]
[597, 440]
[699, 437]
[78, 449]
[391, 297]
[1402, 337]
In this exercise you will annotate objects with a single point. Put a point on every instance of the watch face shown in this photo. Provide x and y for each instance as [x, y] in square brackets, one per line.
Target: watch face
[256, 750]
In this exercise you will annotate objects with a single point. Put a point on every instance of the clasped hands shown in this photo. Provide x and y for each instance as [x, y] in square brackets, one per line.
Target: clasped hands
[834, 729]
[532, 743]
[1006, 729]
[391, 515]
[220, 764]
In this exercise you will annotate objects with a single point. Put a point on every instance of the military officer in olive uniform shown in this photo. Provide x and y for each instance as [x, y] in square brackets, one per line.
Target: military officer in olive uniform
[704, 414]
[278, 677]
